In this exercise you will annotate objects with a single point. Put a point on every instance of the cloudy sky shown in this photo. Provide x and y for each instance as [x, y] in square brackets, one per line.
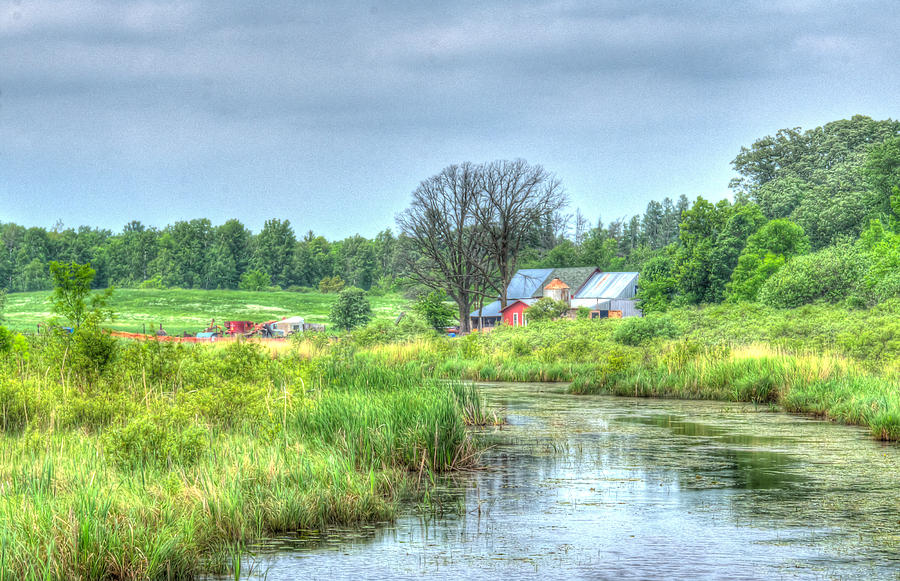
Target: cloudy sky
[330, 113]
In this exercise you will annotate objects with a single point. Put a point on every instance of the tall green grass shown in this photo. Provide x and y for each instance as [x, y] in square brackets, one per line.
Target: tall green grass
[172, 457]
[822, 360]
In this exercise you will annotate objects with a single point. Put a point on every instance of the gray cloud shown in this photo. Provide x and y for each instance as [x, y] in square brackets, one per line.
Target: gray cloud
[313, 105]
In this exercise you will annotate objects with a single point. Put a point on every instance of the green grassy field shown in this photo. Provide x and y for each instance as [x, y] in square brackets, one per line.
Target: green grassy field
[191, 310]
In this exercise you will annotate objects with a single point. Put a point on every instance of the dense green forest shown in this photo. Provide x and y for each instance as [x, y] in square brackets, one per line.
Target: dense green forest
[815, 217]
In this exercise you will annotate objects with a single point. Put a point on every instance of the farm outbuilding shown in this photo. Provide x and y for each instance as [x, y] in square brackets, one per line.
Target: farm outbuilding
[531, 283]
[609, 294]
[515, 312]
[287, 326]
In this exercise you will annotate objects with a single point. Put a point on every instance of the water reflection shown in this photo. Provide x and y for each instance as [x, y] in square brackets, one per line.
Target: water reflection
[600, 487]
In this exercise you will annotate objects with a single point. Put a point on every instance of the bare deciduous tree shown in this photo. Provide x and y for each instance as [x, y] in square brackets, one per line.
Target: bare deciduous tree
[468, 224]
[441, 224]
[514, 198]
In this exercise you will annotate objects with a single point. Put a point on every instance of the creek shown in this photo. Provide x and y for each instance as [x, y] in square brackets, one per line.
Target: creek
[606, 487]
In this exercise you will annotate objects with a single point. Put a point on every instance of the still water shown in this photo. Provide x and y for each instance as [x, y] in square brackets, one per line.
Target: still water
[601, 487]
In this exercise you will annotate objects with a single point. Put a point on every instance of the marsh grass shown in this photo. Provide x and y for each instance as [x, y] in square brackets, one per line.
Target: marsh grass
[825, 361]
[175, 457]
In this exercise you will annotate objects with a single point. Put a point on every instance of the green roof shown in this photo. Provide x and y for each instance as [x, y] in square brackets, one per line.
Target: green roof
[575, 277]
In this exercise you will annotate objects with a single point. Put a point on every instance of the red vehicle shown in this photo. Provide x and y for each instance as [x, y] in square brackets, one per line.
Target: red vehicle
[239, 328]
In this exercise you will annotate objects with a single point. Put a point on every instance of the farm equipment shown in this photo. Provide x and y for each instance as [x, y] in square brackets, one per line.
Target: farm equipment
[211, 331]
[242, 328]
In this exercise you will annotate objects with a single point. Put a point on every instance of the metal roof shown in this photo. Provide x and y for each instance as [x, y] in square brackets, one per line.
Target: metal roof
[526, 282]
[527, 302]
[491, 310]
[607, 285]
[291, 321]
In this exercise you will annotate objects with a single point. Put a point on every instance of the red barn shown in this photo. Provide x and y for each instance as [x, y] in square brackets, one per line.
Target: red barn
[514, 313]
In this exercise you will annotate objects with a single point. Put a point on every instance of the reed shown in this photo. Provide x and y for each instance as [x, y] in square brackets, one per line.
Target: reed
[169, 460]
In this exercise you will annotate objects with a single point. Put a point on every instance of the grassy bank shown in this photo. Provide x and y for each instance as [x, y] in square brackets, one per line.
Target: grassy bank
[834, 363]
[191, 310]
[164, 460]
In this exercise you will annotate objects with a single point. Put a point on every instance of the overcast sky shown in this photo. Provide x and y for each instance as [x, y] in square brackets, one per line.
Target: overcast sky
[330, 113]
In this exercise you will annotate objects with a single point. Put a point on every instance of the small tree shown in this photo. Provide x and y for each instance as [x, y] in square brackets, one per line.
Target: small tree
[255, 280]
[92, 350]
[546, 309]
[351, 310]
[72, 297]
[435, 310]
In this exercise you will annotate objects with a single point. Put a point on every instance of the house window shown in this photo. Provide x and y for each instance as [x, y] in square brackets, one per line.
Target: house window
[515, 319]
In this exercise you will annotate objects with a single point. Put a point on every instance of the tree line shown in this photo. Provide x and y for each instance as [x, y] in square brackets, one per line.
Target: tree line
[195, 254]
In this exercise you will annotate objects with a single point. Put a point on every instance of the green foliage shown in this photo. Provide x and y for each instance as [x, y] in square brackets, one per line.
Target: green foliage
[331, 284]
[255, 280]
[351, 310]
[882, 172]
[882, 249]
[656, 288]
[832, 275]
[766, 251]
[641, 330]
[72, 293]
[546, 309]
[814, 177]
[154, 282]
[435, 310]
[380, 332]
[711, 239]
[155, 441]
[12, 343]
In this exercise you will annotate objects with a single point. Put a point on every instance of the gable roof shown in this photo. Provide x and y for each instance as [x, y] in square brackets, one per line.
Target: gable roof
[526, 302]
[489, 310]
[575, 276]
[556, 284]
[526, 282]
[608, 285]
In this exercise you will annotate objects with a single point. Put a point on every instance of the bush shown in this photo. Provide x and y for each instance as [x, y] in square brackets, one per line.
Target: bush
[93, 350]
[546, 309]
[435, 310]
[351, 310]
[156, 442]
[832, 274]
[331, 284]
[639, 330]
[154, 282]
[255, 280]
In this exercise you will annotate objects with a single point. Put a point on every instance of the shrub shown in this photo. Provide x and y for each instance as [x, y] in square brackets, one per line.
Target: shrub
[154, 282]
[156, 442]
[331, 284]
[435, 310]
[255, 280]
[546, 309]
[831, 274]
[639, 330]
[351, 310]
